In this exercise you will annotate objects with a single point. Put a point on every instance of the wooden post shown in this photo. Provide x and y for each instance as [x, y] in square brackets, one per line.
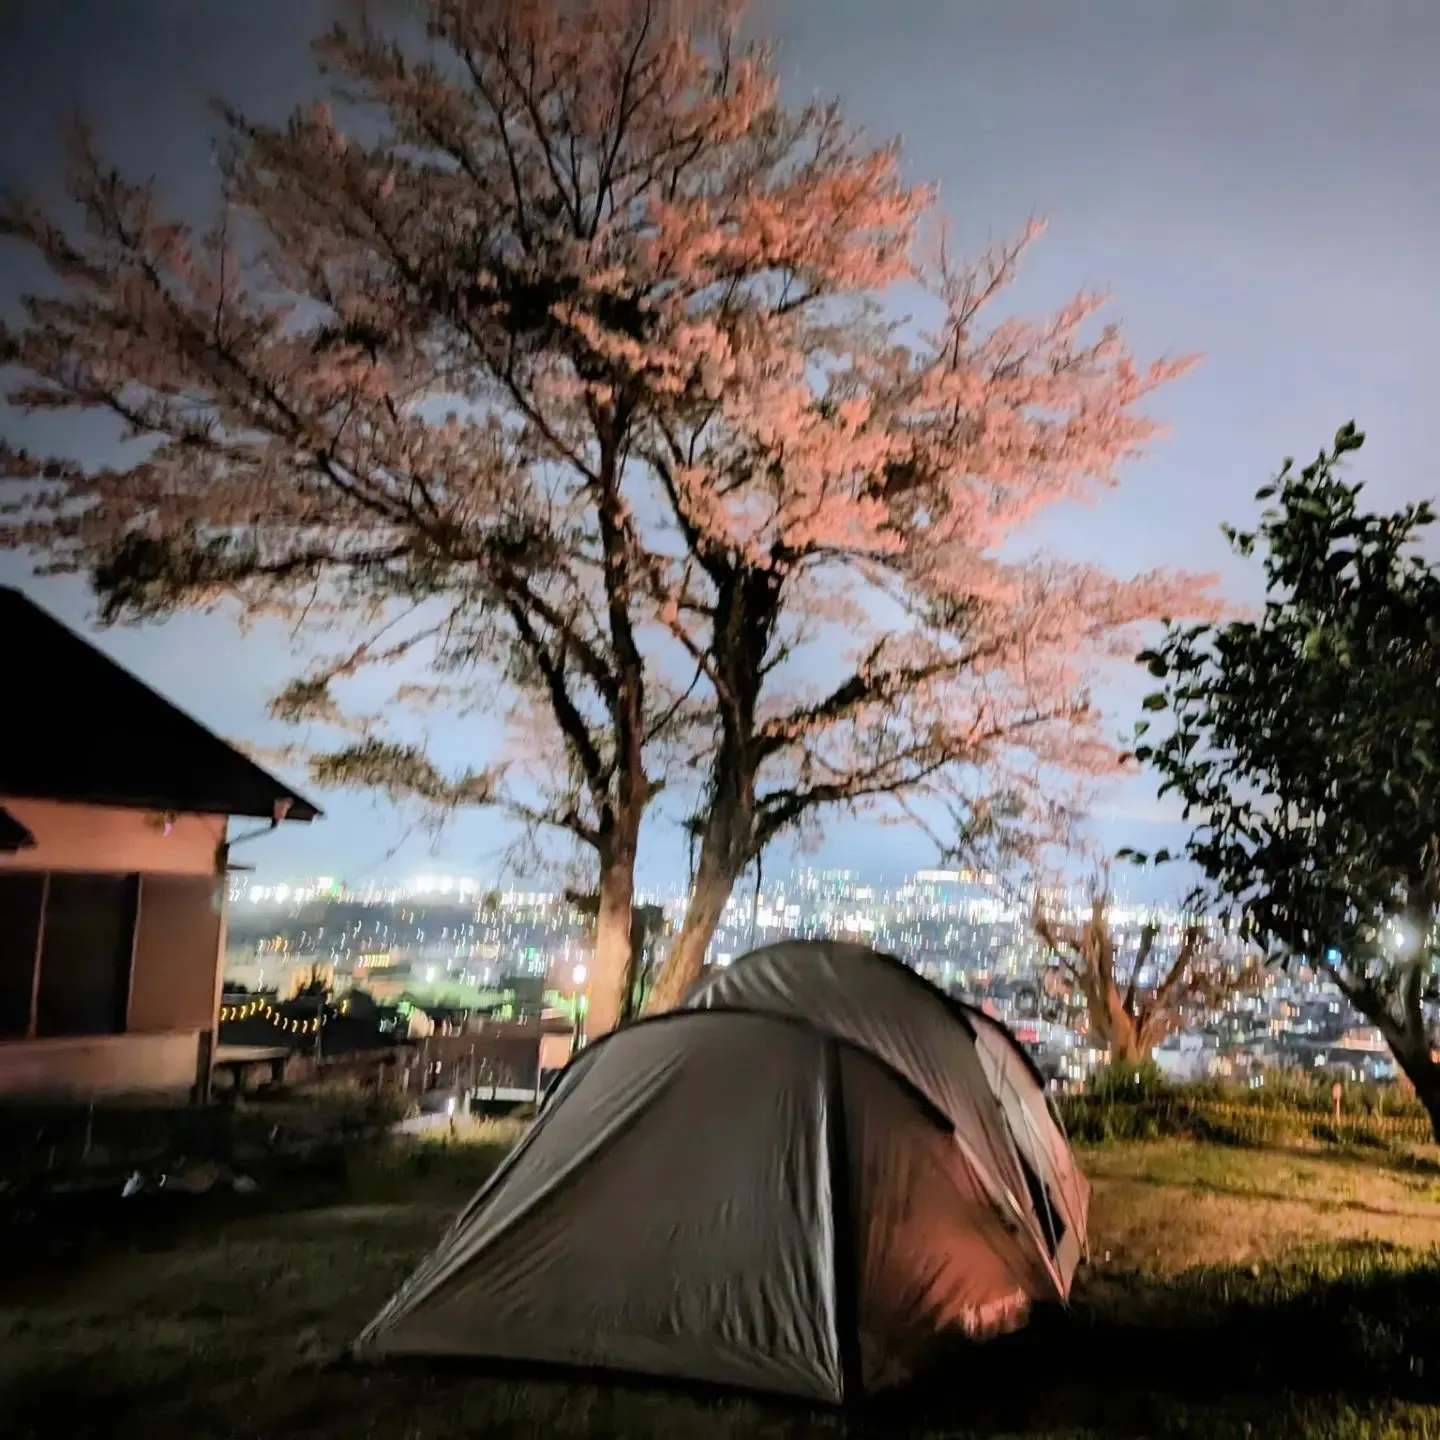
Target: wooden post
[1336, 1091]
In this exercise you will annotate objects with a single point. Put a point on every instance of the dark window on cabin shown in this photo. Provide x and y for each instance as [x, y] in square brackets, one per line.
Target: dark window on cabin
[85, 954]
[21, 899]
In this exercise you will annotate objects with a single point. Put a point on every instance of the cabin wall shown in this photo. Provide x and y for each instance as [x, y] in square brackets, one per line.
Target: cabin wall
[99, 1067]
[174, 981]
[92, 837]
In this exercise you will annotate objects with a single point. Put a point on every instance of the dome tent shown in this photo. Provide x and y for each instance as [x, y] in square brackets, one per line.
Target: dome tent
[874, 1000]
[748, 1198]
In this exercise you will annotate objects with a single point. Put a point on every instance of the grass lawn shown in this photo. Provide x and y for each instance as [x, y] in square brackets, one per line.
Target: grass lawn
[1232, 1293]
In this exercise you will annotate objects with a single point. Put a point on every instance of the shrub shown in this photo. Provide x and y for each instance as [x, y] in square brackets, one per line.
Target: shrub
[1131, 1105]
[1128, 1082]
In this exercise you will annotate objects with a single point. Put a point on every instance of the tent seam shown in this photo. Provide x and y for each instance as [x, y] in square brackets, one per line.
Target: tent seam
[844, 1242]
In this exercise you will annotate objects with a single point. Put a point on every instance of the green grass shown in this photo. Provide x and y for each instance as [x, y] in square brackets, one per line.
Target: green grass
[41, 1142]
[1232, 1292]
[1372, 1118]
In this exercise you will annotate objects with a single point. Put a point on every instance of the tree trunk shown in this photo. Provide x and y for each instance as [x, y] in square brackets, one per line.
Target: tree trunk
[1410, 1046]
[1149, 1032]
[1426, 1080]
[610, 966]
[724, 853]
[1407, 1035]
[686, 957]
[1114, 1025]
[646, 922]
[633, 965]
[1125, 1049]
[746, 609]
[1427, 1090]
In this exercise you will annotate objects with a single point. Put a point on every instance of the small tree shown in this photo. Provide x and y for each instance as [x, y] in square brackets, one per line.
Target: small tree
[1304, 749]
[1129, 1010]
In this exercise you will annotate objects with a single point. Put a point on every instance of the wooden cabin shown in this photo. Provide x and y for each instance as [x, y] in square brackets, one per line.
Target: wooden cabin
[115, 827]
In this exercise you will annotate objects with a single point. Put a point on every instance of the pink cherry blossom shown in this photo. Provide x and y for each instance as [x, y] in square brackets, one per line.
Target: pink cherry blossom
[555, 366]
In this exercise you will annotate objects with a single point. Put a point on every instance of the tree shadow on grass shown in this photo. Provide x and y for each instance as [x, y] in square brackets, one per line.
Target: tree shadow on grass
[1367, 1158]
[59, 1235]
[1359, 1322]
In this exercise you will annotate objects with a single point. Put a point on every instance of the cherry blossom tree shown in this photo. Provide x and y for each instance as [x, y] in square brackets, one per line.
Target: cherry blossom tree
[402, 387]
[549, 354]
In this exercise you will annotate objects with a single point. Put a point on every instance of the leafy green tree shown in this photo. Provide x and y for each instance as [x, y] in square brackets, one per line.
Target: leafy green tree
[1303, 747]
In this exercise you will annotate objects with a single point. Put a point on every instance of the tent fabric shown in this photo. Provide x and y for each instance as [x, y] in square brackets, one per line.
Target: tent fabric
[944, 1047]
[744, 1195]
[730, 1198]
[645, 1228]
[1039, 1137]
[934, 1255]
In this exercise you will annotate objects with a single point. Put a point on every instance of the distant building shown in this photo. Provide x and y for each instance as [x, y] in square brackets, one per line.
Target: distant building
[1186, 1057]
[114, 815]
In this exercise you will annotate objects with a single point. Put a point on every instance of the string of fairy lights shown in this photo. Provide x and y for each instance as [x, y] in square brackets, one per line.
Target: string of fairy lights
[266, 1010]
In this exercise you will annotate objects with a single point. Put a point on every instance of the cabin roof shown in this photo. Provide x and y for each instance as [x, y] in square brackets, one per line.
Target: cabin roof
[77, 727]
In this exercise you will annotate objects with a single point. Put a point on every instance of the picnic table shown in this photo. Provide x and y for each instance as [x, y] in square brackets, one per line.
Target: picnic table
[240, 1063]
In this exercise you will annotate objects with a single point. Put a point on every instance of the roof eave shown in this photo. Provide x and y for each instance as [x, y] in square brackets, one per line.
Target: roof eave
[295, 807]
[300, 810]
[14, 837]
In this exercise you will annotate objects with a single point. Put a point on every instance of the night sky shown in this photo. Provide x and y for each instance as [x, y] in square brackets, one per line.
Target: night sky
[1256, 182]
